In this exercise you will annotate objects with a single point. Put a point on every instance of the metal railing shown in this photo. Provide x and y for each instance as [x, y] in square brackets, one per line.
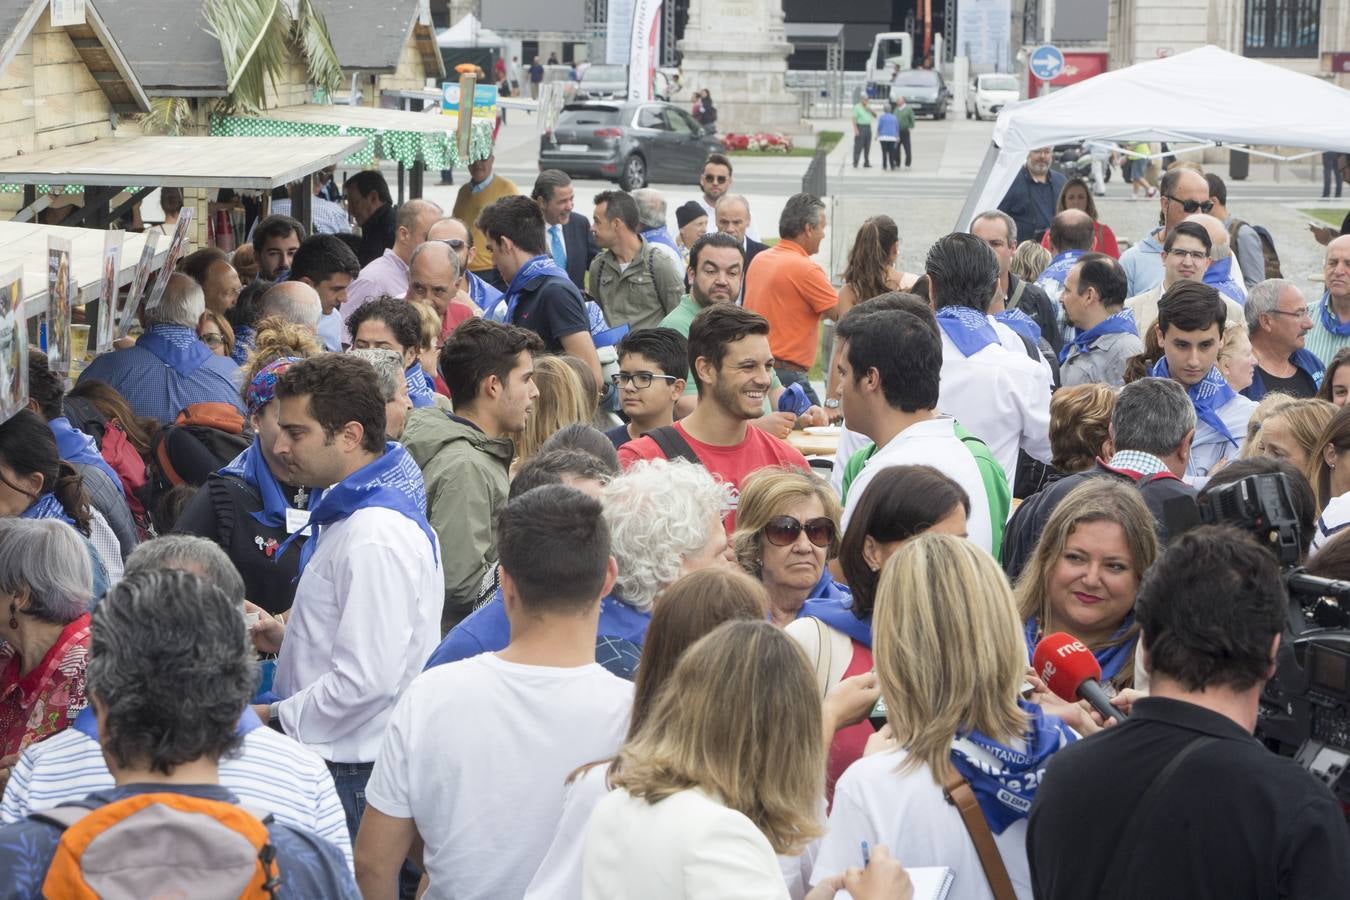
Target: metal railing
[824, 94]
[814, 181]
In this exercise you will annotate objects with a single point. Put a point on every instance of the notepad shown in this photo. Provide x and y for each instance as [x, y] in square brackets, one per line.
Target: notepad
[931, 882]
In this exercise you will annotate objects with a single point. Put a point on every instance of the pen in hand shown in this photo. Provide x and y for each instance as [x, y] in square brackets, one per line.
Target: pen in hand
[867, 854]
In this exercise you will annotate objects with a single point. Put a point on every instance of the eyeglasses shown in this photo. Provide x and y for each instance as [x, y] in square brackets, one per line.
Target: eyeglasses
[211, 340]
[1191, 206]
[1196, 255]
[782, 531]
[639, 380]
[1301, 313]
[455, 243]
[716, 179]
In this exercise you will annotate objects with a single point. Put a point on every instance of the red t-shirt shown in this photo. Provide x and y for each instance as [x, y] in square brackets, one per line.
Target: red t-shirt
[732, 464]
[849, 743]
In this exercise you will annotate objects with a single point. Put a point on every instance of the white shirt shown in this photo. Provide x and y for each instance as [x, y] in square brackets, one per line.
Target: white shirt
[1333, 520]
[1210, 446]
[685, 846]
[367, 615]
[850, 442]
[477, 753]
[907, 812]
[270, 771]
[933, 443]
[331, 330]
[1001, 397]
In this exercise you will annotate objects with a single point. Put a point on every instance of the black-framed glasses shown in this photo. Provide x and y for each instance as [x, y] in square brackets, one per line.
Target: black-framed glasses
[455, 243]
[716, 179]
[212, 340]
[639, 380]
[1181, 253]
[782, 531]
[1192, 206]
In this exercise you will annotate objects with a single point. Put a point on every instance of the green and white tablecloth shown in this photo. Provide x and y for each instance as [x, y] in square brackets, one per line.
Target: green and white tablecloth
[436, 150]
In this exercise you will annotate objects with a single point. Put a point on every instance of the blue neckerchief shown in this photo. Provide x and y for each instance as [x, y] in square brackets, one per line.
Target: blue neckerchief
[47, 507]
[968, 329]
[176, 346]
[536, 267]
[658, 235]
[1021, 323]
[77, 447]
[794, 400]
[1116, 323]
[1112, 658]
[835, 609]
[393, 482]
[1220, 276]
[484, 294]
[1207, 396]
[243, 343]
[1059, 267]
[1329, 320]
[251, 467]
[86, 723]
[420, 391]
[1005, 780]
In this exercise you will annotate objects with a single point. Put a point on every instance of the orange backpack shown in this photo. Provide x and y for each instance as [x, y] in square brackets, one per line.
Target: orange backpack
[161, 845]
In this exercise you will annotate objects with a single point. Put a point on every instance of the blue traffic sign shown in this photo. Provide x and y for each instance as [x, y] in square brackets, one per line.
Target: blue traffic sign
[1047, 62]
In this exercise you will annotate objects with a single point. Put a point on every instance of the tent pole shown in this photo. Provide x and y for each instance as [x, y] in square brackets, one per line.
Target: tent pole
[968, 209]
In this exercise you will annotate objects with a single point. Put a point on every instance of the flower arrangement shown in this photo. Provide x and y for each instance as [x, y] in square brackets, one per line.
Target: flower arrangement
[762, 142]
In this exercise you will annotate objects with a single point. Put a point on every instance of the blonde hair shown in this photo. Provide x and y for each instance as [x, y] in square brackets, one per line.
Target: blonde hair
[1095, 500]
[1270, 404]
[763, 496]
[277, 338]
[226, 331]
[1306, 420]
[1080, 423]
[431, 324]
[1232, 333]
[561, 401]
[1029, 261]
[948, 649]
[739, 718]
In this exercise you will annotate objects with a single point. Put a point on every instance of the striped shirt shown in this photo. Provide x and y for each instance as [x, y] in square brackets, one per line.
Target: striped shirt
[1320, 342]
[270, 771]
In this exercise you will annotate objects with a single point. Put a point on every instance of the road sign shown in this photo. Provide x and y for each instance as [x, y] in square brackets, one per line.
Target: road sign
[1047, 62]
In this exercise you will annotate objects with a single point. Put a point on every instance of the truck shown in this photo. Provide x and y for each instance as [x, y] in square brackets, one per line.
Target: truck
[892, 52]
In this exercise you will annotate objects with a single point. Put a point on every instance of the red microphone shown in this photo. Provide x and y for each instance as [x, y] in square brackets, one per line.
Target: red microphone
[1069, 669]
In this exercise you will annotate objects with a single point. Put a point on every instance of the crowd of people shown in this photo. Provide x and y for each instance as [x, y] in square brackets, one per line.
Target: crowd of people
[472, 556]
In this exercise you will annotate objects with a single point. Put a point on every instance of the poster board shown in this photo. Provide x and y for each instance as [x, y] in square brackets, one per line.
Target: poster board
[67, 12]
[55, 330]
[130, 302]
[107, 311]
[170, 258]
[13, 344]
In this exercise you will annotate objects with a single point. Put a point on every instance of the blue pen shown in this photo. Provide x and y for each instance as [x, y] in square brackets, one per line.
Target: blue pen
[867, 854]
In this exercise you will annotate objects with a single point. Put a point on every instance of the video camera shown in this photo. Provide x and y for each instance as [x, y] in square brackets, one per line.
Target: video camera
[1305, 708]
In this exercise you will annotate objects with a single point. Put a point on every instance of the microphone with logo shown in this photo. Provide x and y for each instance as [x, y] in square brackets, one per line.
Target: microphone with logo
[1070, 670]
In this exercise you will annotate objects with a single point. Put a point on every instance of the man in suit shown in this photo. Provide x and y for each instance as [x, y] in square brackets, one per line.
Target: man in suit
[733, 218]
[568, 234]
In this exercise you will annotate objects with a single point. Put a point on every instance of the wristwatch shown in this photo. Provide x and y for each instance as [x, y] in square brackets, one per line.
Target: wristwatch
[830, 403]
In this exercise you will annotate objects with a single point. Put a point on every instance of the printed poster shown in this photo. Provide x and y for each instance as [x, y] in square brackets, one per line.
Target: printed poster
[130, 302]
[107, 310]
[67, 12]
[60, 295]
[170, 258]
[13, 344]
[484, 100]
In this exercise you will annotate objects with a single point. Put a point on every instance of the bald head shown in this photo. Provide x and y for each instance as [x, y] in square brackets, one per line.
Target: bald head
[1336, 270]
[733, 215]
[293, 301]
[432, 274]
[415, 218]
[1071, 230]
[1218, 234]
[451, 229]
[1180, 185]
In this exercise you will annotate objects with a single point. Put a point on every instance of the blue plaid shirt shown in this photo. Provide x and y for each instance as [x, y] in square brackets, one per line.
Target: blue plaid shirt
[329, 217]
[157, 391]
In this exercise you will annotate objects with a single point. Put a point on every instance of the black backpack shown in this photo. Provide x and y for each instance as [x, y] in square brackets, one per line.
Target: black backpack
[204, 438]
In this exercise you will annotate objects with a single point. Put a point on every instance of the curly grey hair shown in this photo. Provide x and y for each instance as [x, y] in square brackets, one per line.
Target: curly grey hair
[659, 514]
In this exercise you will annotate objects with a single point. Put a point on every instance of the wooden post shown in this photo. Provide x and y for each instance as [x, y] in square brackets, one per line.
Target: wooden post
[302, 203]
[415, 180]
[400, 184]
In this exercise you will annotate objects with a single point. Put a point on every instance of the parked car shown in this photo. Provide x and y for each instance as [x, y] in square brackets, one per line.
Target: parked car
[602, 82]
[925, 90]
[989, 93]
[631, 142]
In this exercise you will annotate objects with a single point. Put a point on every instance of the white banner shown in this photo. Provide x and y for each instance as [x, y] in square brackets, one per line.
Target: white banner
[618, 31]
[643, 56]
[983, 32]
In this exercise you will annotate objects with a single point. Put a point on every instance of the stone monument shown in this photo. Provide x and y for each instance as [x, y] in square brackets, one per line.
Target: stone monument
[737, 51]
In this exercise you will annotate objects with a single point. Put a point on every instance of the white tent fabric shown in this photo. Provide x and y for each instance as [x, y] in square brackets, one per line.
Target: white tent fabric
[469, 32]
[1205, 96]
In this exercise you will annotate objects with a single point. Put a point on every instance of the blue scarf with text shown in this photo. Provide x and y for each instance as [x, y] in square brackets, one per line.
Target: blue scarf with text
[1207, 395]
[1059, 267]
[1219, 275]
[1021, 323]
[77, 447]
[1005, 780]
[420, 391]
[251, 468]
[537, 267]
[47, 507]
[176, 346]
[968, 329]
[393, 482]
[1116, 323]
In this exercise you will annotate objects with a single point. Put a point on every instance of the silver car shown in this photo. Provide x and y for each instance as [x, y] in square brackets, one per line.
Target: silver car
[631, 142]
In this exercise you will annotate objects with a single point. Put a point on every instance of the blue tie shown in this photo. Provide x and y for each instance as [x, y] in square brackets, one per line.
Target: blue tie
[556, 246]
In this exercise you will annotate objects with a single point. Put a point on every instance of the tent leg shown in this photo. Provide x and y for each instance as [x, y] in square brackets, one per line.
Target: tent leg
[968, 210]
[415, 179]
[400, 184]
[302, 203]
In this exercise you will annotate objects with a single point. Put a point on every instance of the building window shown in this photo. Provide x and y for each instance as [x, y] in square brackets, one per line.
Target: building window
[1282, 28]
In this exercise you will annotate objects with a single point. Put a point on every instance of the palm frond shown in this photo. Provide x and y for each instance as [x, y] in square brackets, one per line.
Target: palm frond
[168, 115]
[311, 33]
[253, 36]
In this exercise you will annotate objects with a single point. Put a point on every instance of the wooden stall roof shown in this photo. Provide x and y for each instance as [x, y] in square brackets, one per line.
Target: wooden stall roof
[375, 43]
[22, 243]
[205, 162]
[171, 55]
[365, 117]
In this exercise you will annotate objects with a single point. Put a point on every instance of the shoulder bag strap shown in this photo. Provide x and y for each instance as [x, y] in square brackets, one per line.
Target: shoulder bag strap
[1113, 884]
[673, 444]
[959, 794]
[1016, 297]
[824, 657]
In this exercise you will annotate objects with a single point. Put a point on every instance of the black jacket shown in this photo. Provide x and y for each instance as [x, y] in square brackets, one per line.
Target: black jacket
[1035, 302]
[579, 243]
[377, 235]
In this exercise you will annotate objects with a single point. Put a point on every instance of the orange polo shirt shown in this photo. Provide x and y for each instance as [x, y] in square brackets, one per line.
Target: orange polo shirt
[792, 291]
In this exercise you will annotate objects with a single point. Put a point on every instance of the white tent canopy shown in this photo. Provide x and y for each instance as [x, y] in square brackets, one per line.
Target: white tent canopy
[1204, 98]
[469, 32]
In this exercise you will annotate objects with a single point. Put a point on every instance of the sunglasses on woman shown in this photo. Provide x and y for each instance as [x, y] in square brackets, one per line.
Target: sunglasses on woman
[782, 531]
